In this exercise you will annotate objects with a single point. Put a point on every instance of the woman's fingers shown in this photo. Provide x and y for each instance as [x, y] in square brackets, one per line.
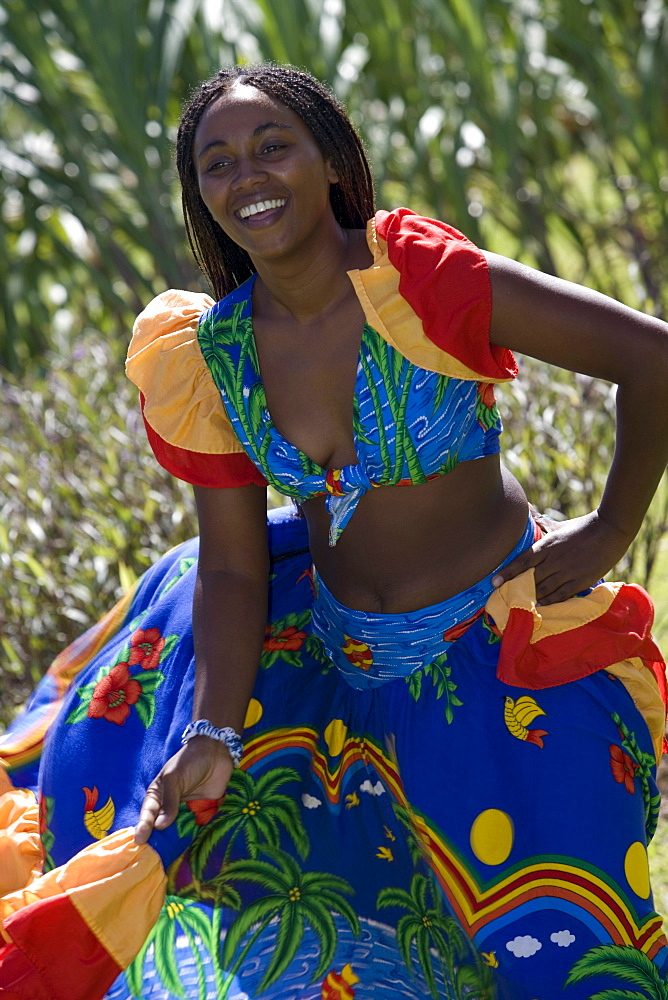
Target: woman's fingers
[525, 560]
[199, 770]
[149, 812]
[160, 806]
[569, 559]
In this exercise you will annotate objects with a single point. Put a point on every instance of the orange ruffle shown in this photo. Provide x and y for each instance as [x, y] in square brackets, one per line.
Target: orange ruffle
[182, 403]
[116, 886]
[20, 845]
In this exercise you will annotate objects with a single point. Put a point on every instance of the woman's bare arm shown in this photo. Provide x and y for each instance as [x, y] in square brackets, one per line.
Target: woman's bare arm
[581, 330]
[229, 618]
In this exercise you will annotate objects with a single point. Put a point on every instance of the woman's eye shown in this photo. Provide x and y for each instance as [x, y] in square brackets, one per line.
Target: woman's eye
[273, 147]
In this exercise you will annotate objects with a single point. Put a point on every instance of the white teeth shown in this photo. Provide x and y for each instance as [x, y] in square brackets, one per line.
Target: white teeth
[261, 206]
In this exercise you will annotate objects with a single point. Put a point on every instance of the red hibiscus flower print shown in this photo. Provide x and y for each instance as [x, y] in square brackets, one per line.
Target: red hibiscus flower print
[203, 809]
[113, 695]
[623, 768]
[486, 394]
[290, 638]
[146, 647]
[457, 631]
[357, 653]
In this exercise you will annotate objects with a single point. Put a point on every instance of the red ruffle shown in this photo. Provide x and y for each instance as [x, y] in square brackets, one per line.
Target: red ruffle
[216, 471]
[37, 966]
[445, 279]
[623, 631]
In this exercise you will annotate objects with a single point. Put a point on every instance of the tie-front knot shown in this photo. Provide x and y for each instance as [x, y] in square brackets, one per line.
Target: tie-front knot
[345, 488]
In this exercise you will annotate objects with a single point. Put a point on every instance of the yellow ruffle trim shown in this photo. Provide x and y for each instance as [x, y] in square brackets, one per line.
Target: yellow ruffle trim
[182, 403]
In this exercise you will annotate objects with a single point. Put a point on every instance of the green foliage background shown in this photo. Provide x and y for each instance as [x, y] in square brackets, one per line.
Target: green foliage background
[536, 126]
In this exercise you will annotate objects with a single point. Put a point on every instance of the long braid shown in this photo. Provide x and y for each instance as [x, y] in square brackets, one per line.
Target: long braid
[224, 263]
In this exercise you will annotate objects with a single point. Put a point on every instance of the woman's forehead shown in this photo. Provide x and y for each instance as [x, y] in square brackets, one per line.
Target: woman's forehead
[243, 100]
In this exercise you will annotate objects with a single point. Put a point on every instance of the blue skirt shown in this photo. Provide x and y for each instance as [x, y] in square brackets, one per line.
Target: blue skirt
[402, 831]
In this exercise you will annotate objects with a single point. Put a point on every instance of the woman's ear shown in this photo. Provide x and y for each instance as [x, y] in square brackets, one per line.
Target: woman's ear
[332, 175]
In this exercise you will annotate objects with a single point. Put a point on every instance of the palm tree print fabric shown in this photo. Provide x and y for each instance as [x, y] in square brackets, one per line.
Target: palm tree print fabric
[440, 835]
[409, 424]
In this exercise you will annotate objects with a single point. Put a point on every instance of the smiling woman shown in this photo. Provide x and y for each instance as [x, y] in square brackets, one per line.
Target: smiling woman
[404, 744]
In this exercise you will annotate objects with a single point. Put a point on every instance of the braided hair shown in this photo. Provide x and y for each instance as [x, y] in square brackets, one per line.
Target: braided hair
[225, 263]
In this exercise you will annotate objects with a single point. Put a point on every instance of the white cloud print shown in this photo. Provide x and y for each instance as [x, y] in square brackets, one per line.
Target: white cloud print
[524, 946]
[376, 789]
[310, 801]
[562, 938]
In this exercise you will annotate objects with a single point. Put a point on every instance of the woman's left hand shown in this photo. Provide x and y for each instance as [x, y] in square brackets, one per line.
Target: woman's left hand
[571, 557]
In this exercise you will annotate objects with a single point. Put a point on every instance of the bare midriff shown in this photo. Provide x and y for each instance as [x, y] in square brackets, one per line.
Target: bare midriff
[407, 547]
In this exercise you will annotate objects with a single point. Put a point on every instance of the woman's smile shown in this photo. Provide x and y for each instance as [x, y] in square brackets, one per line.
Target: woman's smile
[260, 208]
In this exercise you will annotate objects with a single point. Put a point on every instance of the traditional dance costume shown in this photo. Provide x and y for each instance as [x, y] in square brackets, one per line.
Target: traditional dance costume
[452, 802]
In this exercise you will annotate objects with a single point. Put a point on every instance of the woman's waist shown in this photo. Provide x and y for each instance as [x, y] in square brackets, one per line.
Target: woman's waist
[414, 547]
[439, 616]
[372, 648]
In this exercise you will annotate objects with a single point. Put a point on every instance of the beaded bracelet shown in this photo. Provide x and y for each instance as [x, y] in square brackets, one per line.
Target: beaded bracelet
[227, 735]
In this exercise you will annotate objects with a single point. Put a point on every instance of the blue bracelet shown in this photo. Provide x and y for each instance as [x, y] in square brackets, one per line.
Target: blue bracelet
[227, 735]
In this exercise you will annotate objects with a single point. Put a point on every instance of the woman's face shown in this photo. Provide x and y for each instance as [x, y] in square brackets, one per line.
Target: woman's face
[261, 174]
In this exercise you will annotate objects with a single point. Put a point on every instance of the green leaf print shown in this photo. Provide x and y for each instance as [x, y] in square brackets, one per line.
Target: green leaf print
[46, 805]
[80, 711]
[188, 920]
[621, 962]
[257, 410]
[416, 848]
[414, 682]
[492, 636]
[441, 387]
[438, 673]
[429, 928]
[150, 681]
[646, 763]
[255, 811]
[184, 566]
[407, 449]
[85, 692]
[296, 898]
[380, 417]
[136, 622]
[170, 644]
[487, 416]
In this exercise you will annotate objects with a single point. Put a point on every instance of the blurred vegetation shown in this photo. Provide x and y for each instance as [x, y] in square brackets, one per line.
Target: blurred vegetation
[536, 126]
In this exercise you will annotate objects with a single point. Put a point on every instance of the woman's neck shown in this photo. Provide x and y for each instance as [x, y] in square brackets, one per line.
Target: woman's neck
[312, 283]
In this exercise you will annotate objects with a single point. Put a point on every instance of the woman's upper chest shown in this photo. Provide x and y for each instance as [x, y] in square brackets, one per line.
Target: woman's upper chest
[309, 374]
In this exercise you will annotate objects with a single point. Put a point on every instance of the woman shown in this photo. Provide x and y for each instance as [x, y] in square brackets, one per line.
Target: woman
[461, 807]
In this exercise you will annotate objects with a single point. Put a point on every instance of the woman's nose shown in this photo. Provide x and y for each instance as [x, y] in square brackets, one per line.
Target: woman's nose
[248, 174]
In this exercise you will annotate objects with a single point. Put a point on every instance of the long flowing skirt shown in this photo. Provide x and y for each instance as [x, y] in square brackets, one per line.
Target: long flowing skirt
[437, 833]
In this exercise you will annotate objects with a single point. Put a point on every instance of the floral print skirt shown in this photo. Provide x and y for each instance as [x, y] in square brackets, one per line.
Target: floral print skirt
[439, 833]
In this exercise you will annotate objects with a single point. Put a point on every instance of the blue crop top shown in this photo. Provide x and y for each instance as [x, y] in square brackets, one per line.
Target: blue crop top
[409, 424]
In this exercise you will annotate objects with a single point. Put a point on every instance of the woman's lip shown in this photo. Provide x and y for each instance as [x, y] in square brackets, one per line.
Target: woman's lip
[260, 217]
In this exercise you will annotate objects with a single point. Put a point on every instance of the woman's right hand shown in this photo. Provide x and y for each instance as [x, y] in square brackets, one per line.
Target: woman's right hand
[199, 770]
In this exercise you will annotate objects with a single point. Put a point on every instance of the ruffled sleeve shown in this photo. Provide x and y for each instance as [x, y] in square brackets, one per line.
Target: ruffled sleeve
[185, 418]
[428, 293]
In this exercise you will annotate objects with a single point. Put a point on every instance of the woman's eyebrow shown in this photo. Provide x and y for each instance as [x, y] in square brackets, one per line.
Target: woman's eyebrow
[256, 131]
